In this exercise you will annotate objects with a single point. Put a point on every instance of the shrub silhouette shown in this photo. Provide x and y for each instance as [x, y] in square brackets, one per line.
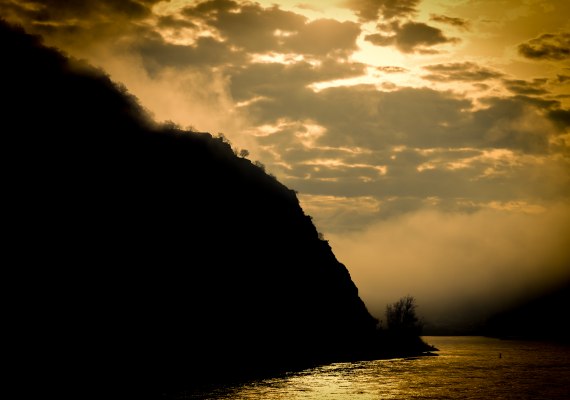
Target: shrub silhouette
[401, 317]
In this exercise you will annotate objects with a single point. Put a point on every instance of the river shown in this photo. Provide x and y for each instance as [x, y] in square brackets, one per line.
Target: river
[467, 367]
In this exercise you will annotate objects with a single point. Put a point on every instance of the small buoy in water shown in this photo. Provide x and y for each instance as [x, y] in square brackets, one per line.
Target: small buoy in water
[500, 355]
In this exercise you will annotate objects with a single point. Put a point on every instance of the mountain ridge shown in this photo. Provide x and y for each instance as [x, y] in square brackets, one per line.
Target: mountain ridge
[149, 257]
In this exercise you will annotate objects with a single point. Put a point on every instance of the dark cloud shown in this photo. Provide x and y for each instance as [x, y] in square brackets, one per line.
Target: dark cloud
[414, 34]
[79, 23]
[169, 21]
[65, 11]
[381, 40]
[250, 27]
[412, 37]
[365, 117]
[515, 123]
[561, 79]
[466, 71]
[362, 116]
[157, 53]
[371, 10]
[560, 117]
[548, 46]
[60, 14]
[522, 87]
[391, 69]
[538, 102]
[454, 21]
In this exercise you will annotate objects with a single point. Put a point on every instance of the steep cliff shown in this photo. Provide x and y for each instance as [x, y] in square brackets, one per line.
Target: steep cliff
[154, 253]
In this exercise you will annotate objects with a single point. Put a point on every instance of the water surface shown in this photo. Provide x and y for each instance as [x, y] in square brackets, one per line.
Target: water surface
[466, 368]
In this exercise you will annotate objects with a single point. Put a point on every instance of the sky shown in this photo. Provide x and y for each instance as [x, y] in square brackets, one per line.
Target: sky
[429, 140]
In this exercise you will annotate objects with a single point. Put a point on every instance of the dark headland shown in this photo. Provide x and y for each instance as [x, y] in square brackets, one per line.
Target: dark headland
[146, 259]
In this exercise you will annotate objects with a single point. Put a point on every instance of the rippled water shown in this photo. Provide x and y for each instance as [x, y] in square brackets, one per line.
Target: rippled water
[466, 368]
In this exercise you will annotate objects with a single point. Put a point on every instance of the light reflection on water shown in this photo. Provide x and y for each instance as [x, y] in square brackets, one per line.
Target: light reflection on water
[466, 368]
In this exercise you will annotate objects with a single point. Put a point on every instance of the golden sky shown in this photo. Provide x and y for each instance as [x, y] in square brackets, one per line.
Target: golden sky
[429, 139]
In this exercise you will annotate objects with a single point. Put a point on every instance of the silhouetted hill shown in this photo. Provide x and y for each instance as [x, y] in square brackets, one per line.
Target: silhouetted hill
[150, 257]
[543, 317]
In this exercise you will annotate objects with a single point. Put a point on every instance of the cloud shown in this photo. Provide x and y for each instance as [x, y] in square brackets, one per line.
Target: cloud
[210, 8]
[248, 71]
[391, 69]
[366, 117]
[454, 21]
[449, 260]
[206, 51]
[560, 117]
[62, 10]
[248, 26]
[242, 26]
[466, 71]
[371, 10]
[548, 46]
[481, 86]
[522, 87]
[364, 142]
[339, 213]
[323, 36]
[79, 22]
[380, 39]
[561, 79]
[169, 21]
[256, 29]
[277, 81]
[412, 37]
[513, 123]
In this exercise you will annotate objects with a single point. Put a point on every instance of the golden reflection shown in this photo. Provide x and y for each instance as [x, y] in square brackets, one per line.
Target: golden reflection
[466, 367]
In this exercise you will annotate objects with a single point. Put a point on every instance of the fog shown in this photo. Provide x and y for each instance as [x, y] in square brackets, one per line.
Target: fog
[458, 264]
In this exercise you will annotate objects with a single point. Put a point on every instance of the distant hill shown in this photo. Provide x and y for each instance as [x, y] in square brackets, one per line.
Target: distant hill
[152, 257]
[542, 317]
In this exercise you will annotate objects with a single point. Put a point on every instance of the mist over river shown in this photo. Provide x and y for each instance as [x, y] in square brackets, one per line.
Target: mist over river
[467, 367]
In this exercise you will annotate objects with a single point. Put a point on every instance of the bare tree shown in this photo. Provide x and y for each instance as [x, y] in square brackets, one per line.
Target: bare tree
[401, 316]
